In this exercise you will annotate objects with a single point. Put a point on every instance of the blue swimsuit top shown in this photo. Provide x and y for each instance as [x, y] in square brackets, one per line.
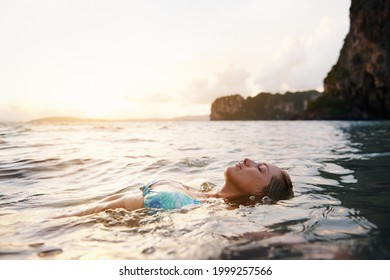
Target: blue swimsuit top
[166, 199]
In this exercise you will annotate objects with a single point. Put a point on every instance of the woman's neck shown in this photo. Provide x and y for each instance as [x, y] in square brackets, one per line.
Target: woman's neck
[228, 191]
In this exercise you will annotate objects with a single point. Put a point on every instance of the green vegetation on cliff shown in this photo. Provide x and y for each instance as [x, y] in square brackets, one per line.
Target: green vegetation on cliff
[358, 85]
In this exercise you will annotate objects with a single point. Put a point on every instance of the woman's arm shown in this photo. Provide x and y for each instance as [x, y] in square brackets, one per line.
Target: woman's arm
[126, 202]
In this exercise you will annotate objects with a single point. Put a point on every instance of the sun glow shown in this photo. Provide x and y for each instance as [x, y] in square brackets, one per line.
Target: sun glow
[89, 106]
[99, 108]
[134, 59]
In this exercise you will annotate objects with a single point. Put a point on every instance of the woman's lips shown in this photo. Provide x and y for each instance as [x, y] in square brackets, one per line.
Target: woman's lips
[238, 164]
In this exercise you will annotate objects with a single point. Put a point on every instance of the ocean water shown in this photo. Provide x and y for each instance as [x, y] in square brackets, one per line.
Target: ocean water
[340, 172]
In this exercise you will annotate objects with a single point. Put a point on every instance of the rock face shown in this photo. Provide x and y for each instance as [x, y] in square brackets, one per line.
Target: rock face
[227, 108]
[264, 106]
[358, 85]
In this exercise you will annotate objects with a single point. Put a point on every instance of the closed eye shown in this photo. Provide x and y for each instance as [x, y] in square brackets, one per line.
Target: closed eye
[262, 169]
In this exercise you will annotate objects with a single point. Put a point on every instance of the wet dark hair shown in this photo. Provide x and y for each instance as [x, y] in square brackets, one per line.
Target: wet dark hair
[279, 188]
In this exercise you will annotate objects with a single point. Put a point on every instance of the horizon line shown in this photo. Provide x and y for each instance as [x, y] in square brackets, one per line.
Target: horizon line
[79, 119]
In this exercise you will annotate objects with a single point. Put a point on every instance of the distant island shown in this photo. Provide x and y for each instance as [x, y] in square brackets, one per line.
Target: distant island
[64, 119]
[356, 88]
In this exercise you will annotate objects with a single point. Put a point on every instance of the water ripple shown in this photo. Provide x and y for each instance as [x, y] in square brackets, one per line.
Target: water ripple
[339, 170]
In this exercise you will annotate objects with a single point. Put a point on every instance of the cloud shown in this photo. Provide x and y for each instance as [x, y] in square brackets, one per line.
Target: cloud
[155, 97]
[302, 63]
[278, 76]
[232, 80]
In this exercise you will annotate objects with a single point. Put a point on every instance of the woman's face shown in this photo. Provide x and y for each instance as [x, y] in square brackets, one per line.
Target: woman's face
[250, 177]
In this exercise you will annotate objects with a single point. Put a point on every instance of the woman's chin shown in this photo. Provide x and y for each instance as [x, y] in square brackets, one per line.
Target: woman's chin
[225, 173]
[229, 169]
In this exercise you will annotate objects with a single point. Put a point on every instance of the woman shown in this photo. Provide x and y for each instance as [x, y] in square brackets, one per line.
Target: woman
[246, 182]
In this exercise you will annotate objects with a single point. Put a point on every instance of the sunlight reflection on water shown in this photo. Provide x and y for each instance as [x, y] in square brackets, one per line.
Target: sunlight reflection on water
[49, 168]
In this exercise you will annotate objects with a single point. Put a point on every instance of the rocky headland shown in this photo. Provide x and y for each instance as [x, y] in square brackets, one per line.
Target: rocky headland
[264, 106]
[357, 87]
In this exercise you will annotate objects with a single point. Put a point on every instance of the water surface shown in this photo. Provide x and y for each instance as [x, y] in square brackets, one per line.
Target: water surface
[340, 171]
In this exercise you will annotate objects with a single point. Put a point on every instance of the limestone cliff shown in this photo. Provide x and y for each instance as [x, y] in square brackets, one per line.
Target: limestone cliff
[264, 106]
[227, 108]
[358, 85]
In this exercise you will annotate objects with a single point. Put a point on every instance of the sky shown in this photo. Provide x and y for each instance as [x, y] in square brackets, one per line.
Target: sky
[126, 59]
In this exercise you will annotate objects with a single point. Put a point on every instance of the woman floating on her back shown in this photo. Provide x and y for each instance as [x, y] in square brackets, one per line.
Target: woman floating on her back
[247, 181]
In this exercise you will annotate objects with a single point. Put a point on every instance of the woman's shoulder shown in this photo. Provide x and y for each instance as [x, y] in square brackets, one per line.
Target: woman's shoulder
[167, 185]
